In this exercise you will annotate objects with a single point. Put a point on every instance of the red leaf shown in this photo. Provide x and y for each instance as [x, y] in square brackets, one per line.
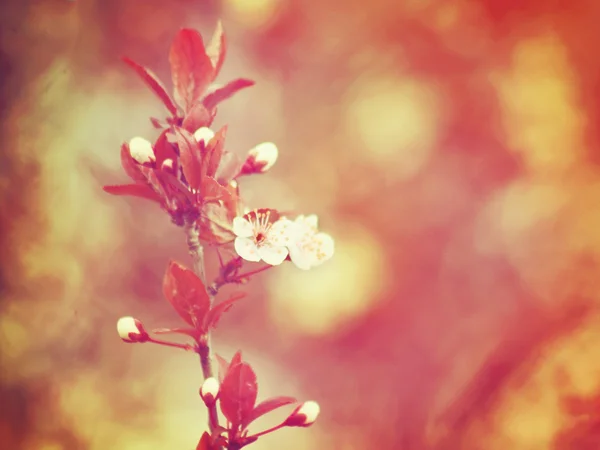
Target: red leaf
[189, 154]
[186, 293]
[214, 152]
[237, 359]
[213, 191]
[223, 93]
[266, 407]
[191, 68]
[154, 83]
[223, 367]
[216, 226]
[156, 123]
[163, 150]
[213, 316]
[238, 393]
[217, 49]
[134, 190]
[156, 183]
[131, 167]
[204, 443]
[175, 188]
[230, 167]
[198, 117]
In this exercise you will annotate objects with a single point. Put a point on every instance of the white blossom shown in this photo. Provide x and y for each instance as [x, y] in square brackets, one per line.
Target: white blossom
[257, 238]
[311, 247]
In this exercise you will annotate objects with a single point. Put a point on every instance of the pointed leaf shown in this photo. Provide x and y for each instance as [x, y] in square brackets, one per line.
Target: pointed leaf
[189, 153]
[156, 123]
[131, 166]
[266, 407]
[191, 68]
[223, 367]
[216, 97]
[186, 293]
[217, 49]
[213, 316]
[175, 188]
[216, 224]
[197, 117]
[155, 182]
[237, 359]
[204, 443]
[212, 191]
[230, 167]
[238, 392]
[154, 83]
[133, 190]
[164, 150]
[214, 152]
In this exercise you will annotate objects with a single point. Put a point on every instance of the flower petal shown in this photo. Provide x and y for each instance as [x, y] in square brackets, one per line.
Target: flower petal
[282, 233]
[242, 227]
[324, 248]
[273, 255]
[300, 257]
[246, 248]
[312, 221]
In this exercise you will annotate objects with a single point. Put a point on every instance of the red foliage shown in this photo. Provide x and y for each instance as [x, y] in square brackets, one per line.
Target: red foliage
[186, 293]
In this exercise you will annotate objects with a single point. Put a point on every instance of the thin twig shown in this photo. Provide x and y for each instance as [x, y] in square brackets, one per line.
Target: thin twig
[186, 347]
[204, 346]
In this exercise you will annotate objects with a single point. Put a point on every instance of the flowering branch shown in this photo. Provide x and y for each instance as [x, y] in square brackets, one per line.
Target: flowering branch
[204, 343]
[188, 172]
[195, 249]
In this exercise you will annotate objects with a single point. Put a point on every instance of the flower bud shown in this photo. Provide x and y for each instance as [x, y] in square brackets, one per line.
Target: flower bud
[131, 330]
[204, 135]
[209, 391]
[141, 150]
[304, 415]
[261, 158]
[167, 166]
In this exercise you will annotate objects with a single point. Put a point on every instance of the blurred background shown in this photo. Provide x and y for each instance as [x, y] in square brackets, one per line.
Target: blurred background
[450, 147]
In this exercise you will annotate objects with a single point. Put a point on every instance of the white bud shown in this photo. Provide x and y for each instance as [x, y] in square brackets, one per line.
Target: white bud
[304, 416]
[131, 330]
[209, 390]
[167, 165]
[264, 156]
[204, 134]
[141, 150]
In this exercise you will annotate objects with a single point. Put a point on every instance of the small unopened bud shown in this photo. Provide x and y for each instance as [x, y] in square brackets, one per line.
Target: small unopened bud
[304, 415]
[204, 135]
[131, 330]
[167, 166]
[141, 150]
[209, 391]
[261, 158]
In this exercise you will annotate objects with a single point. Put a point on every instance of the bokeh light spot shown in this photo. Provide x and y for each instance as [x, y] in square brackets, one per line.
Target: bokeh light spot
[397, 121]
[539, 105]
[324, 298]
[252, 13]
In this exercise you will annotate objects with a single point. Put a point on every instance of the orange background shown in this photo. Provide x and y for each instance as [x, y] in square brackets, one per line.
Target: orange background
[450, 147]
